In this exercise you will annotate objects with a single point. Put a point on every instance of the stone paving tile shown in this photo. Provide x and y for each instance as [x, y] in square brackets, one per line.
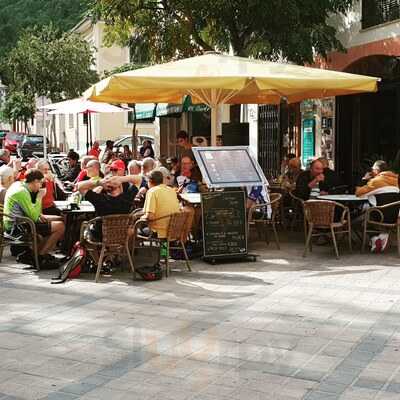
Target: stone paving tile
[283, 328]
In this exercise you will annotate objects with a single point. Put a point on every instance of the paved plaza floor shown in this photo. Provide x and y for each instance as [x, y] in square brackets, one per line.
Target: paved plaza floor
[281, 328]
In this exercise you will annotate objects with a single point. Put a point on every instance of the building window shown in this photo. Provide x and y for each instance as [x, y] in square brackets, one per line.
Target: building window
[376, 12]
[70, 121]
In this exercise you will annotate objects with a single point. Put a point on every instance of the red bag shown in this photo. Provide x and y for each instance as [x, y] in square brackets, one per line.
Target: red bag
[72, 268]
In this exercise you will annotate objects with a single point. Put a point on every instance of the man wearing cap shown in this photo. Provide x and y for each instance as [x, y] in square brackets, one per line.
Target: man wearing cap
[117, 168]
[108, 196]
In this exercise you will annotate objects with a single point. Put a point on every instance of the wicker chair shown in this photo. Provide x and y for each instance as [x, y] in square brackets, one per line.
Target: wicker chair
[179, 227]
[320, 218]
[262, 222]
[379, 225]
[115, 239]
[29, 240]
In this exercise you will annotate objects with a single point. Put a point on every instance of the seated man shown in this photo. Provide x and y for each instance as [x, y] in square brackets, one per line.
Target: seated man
[107, 195]
[161, 201]
[117, 168]
[379, 180]
[5, 157]
[332, 180]
[6, 179]
[312, 180]
[74, 167]
[134, 167]
[18, 202]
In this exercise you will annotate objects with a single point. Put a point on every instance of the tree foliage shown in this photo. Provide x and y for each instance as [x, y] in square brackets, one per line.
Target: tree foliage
[17, 15]
[291, 29]
[48, 63]
[18, 106]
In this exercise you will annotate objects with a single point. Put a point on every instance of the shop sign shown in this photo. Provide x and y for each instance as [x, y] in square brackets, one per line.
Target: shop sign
[308, 140]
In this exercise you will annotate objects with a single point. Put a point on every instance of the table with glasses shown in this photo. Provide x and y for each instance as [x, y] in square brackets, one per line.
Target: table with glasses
[73, 220]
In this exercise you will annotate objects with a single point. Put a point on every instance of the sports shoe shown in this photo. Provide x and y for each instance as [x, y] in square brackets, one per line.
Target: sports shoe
[379, 243]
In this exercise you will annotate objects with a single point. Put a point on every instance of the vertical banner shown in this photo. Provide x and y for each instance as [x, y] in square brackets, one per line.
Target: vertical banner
[308, 141]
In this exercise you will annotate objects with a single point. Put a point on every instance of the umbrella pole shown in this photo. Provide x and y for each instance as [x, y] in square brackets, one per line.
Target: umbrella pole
[90, 131]
[214, 124]
[87, 134]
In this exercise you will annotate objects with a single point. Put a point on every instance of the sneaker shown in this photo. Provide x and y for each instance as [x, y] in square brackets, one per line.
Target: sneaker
[384, 237]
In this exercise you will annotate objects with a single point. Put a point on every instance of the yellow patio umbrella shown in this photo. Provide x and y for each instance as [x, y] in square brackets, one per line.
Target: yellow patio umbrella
[216, 79]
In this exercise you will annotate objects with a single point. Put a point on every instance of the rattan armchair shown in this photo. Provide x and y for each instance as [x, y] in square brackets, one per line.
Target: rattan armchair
[320, 218]
[29, 239]
[179, 227]
[115, 239]
[257, 217]
[375, 220]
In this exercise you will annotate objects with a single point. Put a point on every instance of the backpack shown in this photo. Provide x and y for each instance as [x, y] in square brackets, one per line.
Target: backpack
[150, 273]
[72, 268]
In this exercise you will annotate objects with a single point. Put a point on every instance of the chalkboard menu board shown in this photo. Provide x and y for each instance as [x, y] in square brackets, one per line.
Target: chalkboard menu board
[224, 224]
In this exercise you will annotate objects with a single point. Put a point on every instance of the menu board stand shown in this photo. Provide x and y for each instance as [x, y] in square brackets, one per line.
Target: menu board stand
[224, 226]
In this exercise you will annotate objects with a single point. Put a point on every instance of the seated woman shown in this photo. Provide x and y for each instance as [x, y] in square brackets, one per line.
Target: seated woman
[48, 205]
[190, 178]
[290, 176]
[6, 179]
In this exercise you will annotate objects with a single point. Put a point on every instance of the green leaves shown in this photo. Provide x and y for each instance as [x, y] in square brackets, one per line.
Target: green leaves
[170, 29]
[17, 15]
[18, 107]
[46, 62]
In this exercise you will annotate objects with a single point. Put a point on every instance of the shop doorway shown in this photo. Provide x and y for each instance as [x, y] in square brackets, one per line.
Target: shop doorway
[368, 125]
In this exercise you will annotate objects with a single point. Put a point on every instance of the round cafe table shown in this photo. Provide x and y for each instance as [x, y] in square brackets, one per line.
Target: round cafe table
[343, 198]
[73, 221]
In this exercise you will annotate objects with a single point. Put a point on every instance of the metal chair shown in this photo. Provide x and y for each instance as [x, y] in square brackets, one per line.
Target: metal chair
[115, 239]
[376, 218]
[320, 218]
[179, 227]
[257, 217]
[29, 239]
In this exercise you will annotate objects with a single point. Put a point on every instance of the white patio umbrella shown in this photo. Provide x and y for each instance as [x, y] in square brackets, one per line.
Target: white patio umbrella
[83, 106]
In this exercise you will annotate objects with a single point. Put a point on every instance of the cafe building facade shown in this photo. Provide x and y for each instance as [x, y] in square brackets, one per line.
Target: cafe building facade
[367, 126]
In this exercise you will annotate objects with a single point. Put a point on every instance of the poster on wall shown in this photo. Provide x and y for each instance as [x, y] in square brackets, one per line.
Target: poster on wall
[308, 141]
[328, 131]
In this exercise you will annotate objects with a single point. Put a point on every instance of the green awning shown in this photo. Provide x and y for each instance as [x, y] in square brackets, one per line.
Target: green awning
[151, 110]
[144, 111]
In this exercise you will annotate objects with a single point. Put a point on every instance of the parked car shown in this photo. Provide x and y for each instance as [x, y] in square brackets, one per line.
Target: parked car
[32, 145]
[127, 140]
[12, 141]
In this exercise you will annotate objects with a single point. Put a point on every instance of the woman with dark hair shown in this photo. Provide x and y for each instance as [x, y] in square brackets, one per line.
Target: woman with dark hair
[147, 149]
[126, 155]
